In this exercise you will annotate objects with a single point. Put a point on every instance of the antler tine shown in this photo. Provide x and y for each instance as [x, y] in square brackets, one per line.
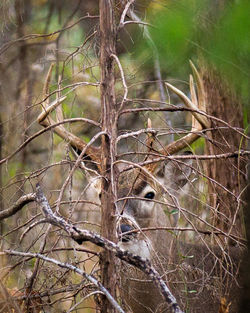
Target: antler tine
[200, 87]
[196, 126]
[45, 120]
[198, 121]
[202, 120]
[150, 137]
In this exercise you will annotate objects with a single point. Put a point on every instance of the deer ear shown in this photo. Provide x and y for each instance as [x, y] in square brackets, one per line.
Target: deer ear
[176, 173]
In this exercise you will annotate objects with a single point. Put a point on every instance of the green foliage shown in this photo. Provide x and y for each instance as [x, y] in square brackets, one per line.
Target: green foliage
[186, 29]
[229, 45]
[198, 145]
[13, 169]
[174, 28]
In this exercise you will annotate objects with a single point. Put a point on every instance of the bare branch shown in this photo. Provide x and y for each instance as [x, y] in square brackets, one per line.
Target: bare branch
[175, 109]
[228, 155]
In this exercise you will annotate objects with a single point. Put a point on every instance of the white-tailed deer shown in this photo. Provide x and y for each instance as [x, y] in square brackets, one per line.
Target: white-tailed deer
[201, 277]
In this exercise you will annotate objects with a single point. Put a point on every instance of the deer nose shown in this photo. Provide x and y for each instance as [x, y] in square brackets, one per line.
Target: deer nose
[124, 236]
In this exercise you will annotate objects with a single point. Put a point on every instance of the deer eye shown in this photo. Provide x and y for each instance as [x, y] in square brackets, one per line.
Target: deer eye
[149, 195]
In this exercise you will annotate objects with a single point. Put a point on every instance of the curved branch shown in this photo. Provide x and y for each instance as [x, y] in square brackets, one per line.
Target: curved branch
[18, 205]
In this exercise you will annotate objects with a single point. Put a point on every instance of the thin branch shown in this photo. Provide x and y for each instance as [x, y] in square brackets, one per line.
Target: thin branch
[217, 232]
[83, 299]
[139, 23]
[174, 108]
[228, 155]
[34, 224]
[136, 133]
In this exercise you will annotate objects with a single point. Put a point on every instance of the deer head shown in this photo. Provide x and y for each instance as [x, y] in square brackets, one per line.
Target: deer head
[147, 195]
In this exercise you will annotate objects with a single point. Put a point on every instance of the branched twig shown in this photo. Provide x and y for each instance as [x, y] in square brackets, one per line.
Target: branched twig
[227, 155]
[183, 229]
[173, 108]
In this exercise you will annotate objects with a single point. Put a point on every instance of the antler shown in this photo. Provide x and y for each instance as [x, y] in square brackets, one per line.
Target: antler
[45, 120]
[199, 121]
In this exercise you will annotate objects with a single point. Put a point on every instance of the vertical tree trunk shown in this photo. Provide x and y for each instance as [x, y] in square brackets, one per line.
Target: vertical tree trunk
[245, 269]
[24, 84]
[222, 103]
[109, 117]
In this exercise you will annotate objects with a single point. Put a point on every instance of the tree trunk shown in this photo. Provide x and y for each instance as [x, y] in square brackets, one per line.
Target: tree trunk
[245, 268]
[223, 104]
[109, 124]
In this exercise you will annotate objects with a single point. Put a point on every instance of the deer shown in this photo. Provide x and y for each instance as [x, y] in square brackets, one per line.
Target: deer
[203, 277]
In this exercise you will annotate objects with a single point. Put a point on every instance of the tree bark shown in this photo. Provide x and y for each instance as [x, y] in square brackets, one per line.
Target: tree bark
[223, 104]
[109, 124]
